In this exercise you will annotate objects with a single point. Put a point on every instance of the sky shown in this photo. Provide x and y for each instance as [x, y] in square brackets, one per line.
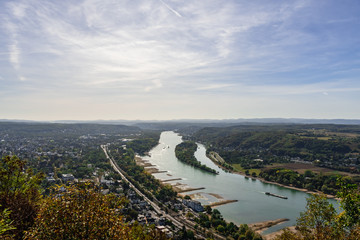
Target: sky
[179, 59]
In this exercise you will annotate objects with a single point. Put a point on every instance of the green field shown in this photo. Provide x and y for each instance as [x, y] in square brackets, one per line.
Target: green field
[237, 167]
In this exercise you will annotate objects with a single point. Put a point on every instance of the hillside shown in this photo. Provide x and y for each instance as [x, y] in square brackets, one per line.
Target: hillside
[336, 146]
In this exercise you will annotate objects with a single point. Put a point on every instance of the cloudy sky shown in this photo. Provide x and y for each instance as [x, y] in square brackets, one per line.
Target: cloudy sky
[175, 59]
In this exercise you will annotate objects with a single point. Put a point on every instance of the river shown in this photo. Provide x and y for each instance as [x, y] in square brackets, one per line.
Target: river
[252, 205]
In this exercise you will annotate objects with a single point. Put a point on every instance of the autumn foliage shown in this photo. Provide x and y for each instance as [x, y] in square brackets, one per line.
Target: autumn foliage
[19, 195]
[70, 212]
[82, 212]
[321, 221]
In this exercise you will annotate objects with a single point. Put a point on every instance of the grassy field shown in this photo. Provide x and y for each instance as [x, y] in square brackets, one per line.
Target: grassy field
[298, 167]
[238, 168]
[302, 167]
[319, 138]
[334, 134]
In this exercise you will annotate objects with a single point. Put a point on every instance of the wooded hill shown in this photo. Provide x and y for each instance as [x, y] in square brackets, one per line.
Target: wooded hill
[336, 146]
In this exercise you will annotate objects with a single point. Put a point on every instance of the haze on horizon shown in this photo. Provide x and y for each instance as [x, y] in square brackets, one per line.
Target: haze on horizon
[171, 59]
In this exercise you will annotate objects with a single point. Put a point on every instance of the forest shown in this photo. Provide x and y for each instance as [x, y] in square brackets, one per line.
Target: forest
[332, 146]
[185, 153]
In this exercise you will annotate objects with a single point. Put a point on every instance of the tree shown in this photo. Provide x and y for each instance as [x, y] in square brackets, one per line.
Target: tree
[20, 193]
[166, 193]
[288, 235]
[249, 234]
[350, 202]
[320, 220]
[208, 209]
[308, 173]
[243, 228]
[220, 228]
[5, 223]
[190, 234]
[82, 212]
[246, 233]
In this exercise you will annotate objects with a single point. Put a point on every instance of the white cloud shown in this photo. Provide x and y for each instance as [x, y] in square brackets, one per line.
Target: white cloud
[17, 9]
[14, 55]
[155, 85]
[215, 86]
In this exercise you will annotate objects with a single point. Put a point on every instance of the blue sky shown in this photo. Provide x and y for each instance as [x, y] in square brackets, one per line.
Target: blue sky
[176, 59]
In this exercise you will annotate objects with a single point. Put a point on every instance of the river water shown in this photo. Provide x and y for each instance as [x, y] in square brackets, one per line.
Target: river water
[252, 205]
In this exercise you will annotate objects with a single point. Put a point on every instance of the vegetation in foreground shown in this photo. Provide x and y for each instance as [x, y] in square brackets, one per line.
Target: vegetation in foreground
[81, 212]
[78, 212]
[19, 196]
[321, 221]
[212, 218]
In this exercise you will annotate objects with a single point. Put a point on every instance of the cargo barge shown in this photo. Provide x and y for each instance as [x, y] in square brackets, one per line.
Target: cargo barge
[275, 195]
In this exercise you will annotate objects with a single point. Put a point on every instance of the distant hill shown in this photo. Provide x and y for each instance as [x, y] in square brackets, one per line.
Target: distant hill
[192, 125]
[221, 121]
[210, 134]
[38, 128]
[188, 127]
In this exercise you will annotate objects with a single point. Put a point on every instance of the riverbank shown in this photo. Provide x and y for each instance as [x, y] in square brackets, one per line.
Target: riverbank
[143, 163]
[262, 226]
[215, 158]
[178, 187]
[222, 203]
[272, 236]
[297, 189]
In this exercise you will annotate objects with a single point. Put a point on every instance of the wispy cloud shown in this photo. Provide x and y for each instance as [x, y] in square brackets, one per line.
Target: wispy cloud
[18, 9]
[104, 48]
[155, 85]
[171, 9]
[131, 42]
[13, 45]
[14, 53]
[303, 89]
[215, 86]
